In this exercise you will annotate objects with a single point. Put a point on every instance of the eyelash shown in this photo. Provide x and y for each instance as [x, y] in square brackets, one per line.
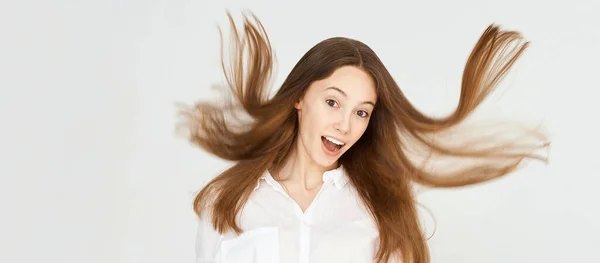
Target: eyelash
[335, 102]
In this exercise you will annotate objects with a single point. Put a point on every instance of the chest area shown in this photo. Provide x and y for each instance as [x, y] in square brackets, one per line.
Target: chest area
[335, 228]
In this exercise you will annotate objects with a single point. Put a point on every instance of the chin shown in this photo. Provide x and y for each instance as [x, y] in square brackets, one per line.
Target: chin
[326, 161]
[329, 163]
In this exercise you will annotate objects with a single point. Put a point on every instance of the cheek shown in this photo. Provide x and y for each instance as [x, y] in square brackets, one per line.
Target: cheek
[316, 116]
[311, 121]
[360, 128]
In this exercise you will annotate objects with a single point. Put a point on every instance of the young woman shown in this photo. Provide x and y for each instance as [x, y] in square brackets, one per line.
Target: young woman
[324, 168]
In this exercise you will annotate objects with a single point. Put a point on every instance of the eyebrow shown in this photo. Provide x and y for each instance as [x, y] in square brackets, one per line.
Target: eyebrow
[346, 95]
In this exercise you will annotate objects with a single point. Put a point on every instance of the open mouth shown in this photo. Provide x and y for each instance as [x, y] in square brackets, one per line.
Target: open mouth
[332, 144]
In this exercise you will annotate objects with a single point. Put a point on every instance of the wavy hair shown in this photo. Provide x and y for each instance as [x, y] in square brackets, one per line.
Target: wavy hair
[257, 131]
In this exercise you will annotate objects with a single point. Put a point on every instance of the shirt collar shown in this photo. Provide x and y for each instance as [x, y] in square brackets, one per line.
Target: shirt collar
[337, 177]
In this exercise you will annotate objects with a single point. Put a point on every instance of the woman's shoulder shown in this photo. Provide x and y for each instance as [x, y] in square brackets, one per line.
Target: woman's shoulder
[207, 240]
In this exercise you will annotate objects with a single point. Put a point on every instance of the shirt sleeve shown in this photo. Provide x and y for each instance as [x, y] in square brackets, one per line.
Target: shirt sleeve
[207, 242]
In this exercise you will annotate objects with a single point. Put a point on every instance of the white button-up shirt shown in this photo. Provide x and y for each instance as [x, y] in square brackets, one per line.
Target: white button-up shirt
[336, 227]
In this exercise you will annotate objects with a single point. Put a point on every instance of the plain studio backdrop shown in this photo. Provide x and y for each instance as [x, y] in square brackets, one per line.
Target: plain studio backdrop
[92, 170]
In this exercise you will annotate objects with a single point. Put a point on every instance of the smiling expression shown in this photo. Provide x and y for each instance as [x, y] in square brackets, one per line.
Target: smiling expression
[334, 113]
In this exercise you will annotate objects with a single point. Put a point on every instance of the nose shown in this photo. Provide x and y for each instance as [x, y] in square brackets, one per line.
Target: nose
[343, 125]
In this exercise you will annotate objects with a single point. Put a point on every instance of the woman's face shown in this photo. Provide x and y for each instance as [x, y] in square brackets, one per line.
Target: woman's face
[334, 113]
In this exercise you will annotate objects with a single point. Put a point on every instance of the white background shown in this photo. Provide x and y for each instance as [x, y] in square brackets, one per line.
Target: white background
[92, 170]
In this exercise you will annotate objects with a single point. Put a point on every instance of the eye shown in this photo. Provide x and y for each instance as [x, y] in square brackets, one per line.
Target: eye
[363, 114]
[331, 102]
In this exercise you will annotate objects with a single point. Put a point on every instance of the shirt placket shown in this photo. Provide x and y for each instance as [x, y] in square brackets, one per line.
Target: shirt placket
[304, 221]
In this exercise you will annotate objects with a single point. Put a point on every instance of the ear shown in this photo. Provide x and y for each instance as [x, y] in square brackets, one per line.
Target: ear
[298, 105]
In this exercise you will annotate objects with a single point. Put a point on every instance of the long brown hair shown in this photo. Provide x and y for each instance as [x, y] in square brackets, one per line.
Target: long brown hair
[257, 132]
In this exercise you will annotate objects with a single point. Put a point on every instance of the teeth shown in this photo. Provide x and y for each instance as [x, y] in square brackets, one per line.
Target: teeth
[334, 141]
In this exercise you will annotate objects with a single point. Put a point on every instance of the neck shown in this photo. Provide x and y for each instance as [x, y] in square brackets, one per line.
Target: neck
[299, 169]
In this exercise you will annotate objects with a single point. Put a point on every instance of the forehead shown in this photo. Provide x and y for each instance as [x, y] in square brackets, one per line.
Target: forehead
[353, 81]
